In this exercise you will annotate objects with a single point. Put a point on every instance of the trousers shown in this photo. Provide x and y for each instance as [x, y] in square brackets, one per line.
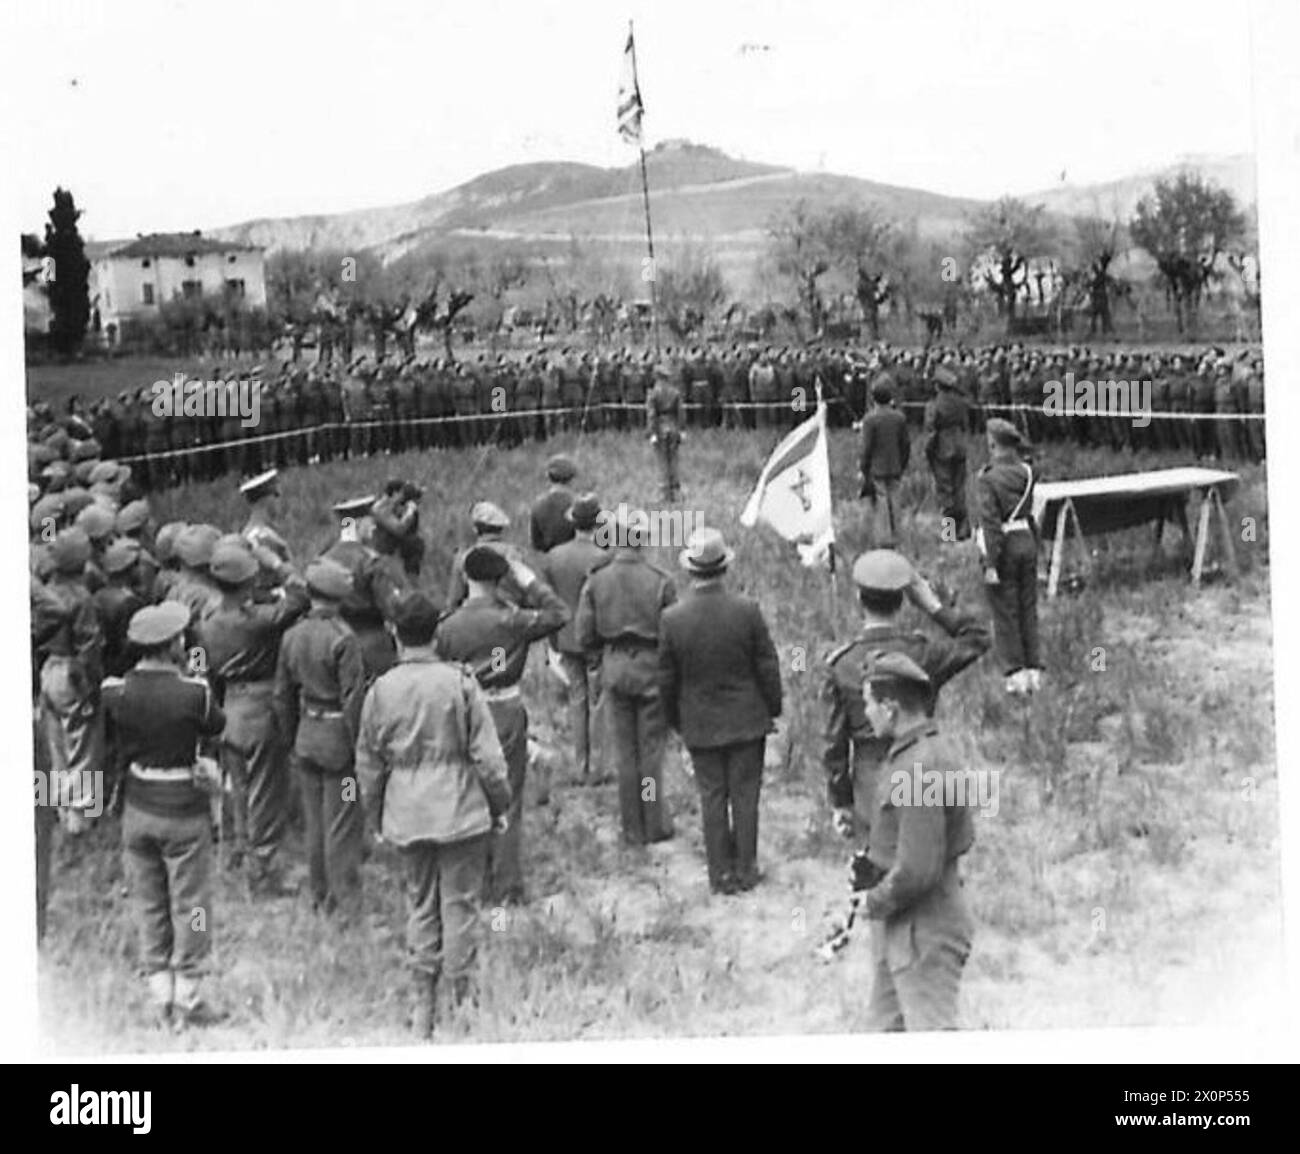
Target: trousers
[167, 861]
[1014, 603]
[581, 701]
[444, 885]
[950, 491]
[253, 754]
[333, 829]
[729, 778]
[884, 497]
[917, 961]
[505, 850]
[637, 736]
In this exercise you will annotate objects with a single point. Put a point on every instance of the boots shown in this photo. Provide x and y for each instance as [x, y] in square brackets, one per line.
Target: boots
[424, 1004]
[160, 997]
[189, 1008]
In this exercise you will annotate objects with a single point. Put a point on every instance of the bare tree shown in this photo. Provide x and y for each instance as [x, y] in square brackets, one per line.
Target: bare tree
[1010, 233]
[800, 241]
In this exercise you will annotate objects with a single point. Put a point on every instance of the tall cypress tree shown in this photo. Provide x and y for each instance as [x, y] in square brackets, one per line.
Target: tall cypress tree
[70, 287]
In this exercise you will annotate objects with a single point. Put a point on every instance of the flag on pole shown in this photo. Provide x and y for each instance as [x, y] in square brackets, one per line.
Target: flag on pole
[793, 494]
[630, 108]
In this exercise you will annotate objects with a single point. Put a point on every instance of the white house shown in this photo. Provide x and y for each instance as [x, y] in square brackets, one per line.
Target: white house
[131, 281]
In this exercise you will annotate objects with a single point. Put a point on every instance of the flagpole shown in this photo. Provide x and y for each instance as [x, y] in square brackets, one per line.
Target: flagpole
[645, 193]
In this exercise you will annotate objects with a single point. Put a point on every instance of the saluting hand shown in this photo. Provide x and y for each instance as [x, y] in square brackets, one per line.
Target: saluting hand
[842, 821]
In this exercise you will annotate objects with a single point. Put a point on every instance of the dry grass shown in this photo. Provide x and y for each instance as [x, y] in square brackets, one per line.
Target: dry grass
[1126, 851]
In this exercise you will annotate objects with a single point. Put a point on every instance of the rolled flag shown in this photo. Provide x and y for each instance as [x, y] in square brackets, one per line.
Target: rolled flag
[793, 494]
[630, 107]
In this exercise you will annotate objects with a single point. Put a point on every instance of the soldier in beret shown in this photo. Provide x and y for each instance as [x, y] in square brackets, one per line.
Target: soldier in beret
[157, 718]
[921, 929]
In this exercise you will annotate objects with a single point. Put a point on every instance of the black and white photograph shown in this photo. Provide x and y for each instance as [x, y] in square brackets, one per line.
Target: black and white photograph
[593, 524]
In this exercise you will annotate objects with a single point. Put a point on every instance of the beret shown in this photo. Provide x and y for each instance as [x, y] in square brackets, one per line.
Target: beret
[132, 516]
[483, 563]
[96, 522]
[70, 551]
[195, 543]
[893, 666]
[584, 512]
[561, 468]
[120, 555]
[328, 579]
[164, 541]
[232, 564]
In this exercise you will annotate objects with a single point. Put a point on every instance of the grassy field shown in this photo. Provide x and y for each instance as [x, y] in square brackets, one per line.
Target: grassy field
[1130, 875]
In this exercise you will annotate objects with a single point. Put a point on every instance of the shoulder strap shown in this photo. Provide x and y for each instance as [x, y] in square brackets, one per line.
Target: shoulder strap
[1029, 488]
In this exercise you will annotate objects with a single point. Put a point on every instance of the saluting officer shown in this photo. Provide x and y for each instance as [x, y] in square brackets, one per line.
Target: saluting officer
[853, 751]
[240, 641]
[320, 682]
[492, 635]
[269, 548]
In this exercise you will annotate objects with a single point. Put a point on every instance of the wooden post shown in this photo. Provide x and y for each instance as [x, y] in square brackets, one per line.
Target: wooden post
[1058, 548]
[1202, 537]
[1225, 531]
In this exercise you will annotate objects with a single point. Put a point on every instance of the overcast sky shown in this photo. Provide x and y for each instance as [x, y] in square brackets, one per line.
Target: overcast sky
[182, 115]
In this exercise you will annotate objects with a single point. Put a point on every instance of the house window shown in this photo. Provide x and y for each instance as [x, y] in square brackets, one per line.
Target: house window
[235, 288]
[144, 263]
[147, 290]
[191, 290]
[231, 258]
[189, 260]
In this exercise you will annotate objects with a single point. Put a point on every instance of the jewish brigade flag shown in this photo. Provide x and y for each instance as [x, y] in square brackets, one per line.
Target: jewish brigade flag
[629, 97]
[793, 494]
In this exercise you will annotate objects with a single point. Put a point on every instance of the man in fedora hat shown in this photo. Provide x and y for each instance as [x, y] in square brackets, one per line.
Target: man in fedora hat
[566, 569]
[720, 684]
[1007, 536]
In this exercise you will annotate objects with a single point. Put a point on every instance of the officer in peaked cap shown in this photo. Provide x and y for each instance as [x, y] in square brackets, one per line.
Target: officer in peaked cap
[852, 756]
[268, 546]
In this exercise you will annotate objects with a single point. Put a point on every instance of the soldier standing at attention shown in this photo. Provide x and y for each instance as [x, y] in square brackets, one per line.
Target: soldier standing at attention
[946, 419]
[665, 415]
[720, 684]
[240, 640]
[618, 620]
[156, 718]
[491, 635]
[548, 523]
[1008, 543]
[434, 783]
[566, 569]
[853, 752]
[886, 449]
[320, 682]
[920, 927]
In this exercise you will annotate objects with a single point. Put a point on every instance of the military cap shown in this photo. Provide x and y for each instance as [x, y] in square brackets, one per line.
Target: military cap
[81, 470]
[57, 439]
[74, 500]
[328, 579]
[489, 516]
[483, 563]
[584, 512]
[109, 472]
[164, 541]
[883, 571]
[70, 550]
[706, 553]
[353, 506]
[561, 468]
[33, 492]
[38, 456]
[232, 564]
[120, 555]
[52, 506]
[84, 450]
[132, 516]
[157, 624]
[96, 522]
[894, 666]
[945, 378]
[261, 485]
[195, 543]
[1005, 433]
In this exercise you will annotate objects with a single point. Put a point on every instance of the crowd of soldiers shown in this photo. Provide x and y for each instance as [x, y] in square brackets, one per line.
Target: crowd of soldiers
[336, 411]
[195, 683]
